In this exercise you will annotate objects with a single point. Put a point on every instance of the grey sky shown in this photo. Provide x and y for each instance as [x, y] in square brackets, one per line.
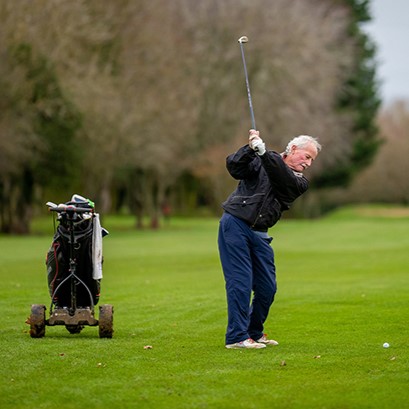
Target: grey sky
[390, 31]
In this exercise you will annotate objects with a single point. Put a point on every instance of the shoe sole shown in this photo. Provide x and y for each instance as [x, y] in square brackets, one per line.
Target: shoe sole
[237, 347]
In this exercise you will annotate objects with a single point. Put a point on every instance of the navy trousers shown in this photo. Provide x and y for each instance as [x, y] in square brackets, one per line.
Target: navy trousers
[248, 265]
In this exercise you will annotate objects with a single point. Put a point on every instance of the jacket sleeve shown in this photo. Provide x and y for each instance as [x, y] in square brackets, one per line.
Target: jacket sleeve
[287, 184]
[243, 163]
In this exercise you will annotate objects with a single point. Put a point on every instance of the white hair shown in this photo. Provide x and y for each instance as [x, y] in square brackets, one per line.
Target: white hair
[302, 141]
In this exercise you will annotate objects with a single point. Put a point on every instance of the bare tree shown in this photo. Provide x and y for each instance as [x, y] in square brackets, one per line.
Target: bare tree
[385, 180]
[298, 57]
[78, 40]
[157, 77]
[19, 144]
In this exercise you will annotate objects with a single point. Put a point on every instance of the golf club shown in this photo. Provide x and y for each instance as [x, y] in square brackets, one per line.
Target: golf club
[241, 41]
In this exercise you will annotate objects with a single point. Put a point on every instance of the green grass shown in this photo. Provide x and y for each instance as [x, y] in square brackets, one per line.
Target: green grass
[342, 293]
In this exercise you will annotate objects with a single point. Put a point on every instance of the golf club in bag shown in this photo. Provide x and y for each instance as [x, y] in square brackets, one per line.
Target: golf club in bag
[74, 272]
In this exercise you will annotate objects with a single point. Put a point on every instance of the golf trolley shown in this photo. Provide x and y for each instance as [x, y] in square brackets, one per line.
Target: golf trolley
[74, 267]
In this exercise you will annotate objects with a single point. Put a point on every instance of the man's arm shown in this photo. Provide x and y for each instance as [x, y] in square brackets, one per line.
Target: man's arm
[243, 163]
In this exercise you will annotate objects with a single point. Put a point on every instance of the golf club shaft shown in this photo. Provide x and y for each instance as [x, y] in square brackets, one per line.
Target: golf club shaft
[253, 121]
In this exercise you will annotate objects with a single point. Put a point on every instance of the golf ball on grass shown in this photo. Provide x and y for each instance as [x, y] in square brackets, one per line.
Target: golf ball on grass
[386, 345]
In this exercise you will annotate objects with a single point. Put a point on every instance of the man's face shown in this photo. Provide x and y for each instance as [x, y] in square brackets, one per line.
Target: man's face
[301, 159]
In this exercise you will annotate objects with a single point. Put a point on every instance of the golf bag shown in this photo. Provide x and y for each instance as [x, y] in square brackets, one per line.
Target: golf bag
[87, 274]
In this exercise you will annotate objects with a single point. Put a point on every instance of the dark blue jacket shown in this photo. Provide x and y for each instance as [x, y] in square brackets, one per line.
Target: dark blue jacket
[267, 187]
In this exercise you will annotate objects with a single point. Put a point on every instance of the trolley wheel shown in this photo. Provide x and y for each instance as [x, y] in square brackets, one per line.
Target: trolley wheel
[37, 321]
[74, 329]
[106, 321]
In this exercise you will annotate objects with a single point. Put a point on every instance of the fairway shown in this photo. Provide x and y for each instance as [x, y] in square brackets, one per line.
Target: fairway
[342, 293]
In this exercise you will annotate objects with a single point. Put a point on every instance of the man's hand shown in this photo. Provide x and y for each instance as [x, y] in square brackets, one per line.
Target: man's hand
[256, 143]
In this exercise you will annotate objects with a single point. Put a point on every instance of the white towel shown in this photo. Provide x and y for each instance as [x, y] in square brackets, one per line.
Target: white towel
[97, 248]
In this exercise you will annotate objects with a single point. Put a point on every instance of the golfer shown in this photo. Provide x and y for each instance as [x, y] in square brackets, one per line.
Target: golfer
[269, 182]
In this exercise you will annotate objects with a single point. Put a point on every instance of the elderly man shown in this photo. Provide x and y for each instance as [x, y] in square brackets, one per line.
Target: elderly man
[269, 184]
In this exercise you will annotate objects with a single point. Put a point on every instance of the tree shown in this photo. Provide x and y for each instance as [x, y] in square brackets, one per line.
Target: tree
[19, 144]
[384, 180]
[303, 58]
[150, 94]
[57, 51]
[45, 124]
[359, 100]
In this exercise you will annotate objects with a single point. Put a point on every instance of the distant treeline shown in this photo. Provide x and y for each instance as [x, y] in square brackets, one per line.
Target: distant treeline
[136, 103]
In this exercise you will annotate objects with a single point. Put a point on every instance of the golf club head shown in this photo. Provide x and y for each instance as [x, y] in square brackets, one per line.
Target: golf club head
[243, 39]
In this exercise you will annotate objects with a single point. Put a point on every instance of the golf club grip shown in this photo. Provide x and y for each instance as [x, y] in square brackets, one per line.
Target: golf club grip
[70, 209]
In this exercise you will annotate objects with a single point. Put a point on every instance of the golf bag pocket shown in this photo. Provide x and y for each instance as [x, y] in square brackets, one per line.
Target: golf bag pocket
[58, 269]
[55, 263]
